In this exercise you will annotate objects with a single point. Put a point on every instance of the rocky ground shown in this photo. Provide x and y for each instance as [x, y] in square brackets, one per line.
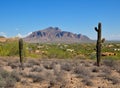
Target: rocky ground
[59, 73]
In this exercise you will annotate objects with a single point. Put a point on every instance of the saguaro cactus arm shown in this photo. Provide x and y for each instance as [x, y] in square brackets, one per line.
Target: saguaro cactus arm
[103, 40]
[96, 29]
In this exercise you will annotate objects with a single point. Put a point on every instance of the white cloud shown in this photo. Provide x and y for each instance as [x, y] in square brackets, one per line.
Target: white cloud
[22, 36]
[3, 34]
[19, 35]
[29, 33]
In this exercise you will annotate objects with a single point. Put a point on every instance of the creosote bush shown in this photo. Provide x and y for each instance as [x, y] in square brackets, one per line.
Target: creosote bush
[113, 64]
[36, 69]
[114, 79]
[66, 67]
[7, 79]
[82, 72]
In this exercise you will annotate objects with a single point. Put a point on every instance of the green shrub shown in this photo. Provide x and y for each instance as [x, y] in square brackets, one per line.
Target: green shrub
[81, 51]
[9, 49]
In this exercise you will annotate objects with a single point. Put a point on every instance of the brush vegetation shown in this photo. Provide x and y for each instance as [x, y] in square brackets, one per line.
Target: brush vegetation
[60, 51]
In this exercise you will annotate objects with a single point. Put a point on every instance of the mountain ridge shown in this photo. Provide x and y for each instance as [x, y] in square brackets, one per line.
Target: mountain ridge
[54, 35]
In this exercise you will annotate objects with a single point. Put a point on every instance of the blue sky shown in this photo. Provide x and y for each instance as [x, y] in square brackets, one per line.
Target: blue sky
[77, 16]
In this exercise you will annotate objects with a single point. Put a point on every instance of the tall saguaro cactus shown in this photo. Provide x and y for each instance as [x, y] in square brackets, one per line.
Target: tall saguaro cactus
[21, 51]
[99, 43]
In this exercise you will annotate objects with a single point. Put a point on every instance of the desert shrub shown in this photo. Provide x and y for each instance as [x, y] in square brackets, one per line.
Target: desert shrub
[106, 70]
[29, 65]
[109, 63]
[10, 82]
[114, 79]
[7, 79]
[82, 57]
[24, 74]
[61, 78]
[66, 66]
[93, 56]
[14, 65]
[57, 69]
[82, 71]
[24, 82]
[95, 69]
[15, 75]
[33, 62]
[2, 63]
[4, 59]
[16, 61]
[48, 65]
[4, 73]
[116, 66]
[9, 49]
[9, 63]
[38, 78]
[36, 69]
[2, 82]
[7, 83]
[55, 52]
[87, 82]
[46, 75]
[88, 64]
[112, 64]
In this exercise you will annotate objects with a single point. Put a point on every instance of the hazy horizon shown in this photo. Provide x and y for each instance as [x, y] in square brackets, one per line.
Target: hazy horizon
[21, 17]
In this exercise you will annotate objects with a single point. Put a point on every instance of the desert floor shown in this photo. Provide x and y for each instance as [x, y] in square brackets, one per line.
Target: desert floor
[58, 73]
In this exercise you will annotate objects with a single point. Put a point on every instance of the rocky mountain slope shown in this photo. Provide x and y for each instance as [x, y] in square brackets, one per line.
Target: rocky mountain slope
[55, 35]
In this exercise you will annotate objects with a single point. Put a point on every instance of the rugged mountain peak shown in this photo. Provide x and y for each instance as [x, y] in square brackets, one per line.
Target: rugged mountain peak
[55, 34]
[51, 30]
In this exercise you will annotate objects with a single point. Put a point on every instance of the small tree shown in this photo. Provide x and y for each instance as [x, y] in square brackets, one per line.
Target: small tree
[99, 43]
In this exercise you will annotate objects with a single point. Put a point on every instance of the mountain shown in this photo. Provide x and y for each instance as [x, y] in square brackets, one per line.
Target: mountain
[55, 35]
[2, 39]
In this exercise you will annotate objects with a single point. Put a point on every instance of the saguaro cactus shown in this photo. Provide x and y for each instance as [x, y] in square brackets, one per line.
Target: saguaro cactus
[21, 51]
[99, 43]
